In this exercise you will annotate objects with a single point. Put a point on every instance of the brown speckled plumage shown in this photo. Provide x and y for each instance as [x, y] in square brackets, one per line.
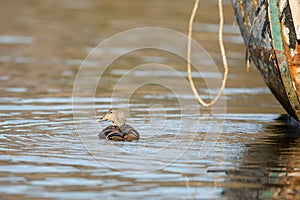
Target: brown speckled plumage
[119, 130]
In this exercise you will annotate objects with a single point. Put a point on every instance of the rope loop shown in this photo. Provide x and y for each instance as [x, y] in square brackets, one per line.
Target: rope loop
[225, 64]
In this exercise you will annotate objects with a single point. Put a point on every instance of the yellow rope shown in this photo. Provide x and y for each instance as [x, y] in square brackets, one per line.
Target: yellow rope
[222, 53]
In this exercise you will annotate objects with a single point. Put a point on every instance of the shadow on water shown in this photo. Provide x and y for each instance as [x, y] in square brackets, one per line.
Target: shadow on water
[270, 164]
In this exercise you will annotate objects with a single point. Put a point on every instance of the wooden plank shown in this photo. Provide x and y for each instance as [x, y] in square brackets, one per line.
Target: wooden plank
[281, 58]
[295, 9]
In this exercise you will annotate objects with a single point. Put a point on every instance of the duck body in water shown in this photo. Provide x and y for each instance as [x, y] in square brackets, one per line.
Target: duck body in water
[119, 130]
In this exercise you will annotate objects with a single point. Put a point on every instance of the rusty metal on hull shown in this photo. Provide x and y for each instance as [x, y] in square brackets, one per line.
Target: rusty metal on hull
[291, 45]
[278, 66]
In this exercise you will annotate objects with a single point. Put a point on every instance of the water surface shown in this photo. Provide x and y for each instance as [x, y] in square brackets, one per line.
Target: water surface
[247, 151]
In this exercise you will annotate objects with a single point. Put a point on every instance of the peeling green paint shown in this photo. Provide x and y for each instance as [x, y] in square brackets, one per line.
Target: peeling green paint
[280, 55]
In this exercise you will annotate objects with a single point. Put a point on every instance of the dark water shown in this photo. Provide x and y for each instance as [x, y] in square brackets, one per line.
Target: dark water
[239, 149]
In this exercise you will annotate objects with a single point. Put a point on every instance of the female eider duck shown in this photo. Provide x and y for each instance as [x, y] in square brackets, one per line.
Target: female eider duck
[119, 130]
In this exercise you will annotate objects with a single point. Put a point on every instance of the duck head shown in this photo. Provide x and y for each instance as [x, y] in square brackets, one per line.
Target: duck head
[116, 116]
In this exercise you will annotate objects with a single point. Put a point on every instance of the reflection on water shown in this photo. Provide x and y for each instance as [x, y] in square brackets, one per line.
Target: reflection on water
[43, 156]
[270, 164]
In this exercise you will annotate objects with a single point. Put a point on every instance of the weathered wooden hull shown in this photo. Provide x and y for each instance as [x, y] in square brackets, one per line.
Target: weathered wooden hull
[269, 34]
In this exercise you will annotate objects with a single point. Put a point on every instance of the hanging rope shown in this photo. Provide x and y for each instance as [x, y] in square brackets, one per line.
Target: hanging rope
[203, 103]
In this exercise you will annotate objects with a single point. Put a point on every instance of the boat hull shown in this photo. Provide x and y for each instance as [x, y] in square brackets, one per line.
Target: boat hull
[272, 46]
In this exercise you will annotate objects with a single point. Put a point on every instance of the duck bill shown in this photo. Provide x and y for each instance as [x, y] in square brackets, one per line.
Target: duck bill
[102, 119]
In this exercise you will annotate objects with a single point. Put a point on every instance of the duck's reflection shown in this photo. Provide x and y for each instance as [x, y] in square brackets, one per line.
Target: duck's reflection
[270, 166]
